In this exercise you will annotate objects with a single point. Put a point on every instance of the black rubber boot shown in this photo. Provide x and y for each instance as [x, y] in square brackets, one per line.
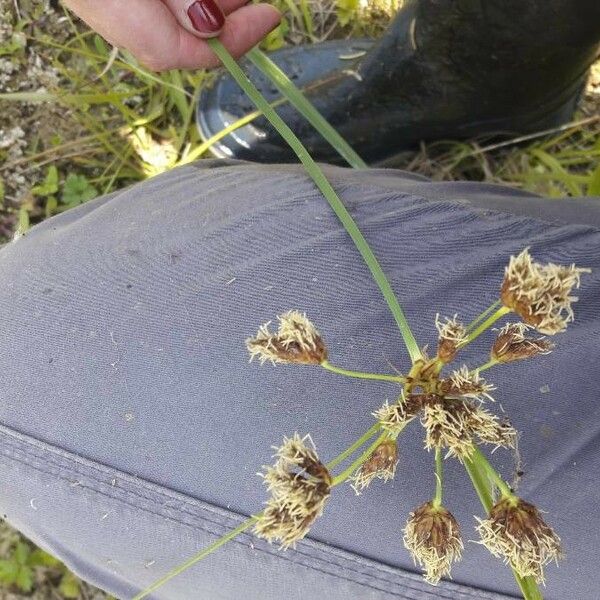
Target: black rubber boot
[445, 69]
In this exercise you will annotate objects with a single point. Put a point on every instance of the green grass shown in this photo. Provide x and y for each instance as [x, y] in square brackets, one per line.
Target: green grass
[124, 123]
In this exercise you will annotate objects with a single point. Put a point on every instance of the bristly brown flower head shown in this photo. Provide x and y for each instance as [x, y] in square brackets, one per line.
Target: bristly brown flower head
[512, 344]
[540, 294]
[488, 428]
[516, 532]
[433, 538]
[467, 384]
[300, 485]
[452, 334]
[380, 465]
[394, 417]
[457, 424]
[446, 427]
[296, 341]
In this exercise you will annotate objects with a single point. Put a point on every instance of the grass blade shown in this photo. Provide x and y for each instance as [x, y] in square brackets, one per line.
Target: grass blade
[327, 190]
[283, 83]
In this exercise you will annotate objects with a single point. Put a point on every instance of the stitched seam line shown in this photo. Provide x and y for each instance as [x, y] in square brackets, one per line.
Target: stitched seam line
[118, 491]
[212, 531]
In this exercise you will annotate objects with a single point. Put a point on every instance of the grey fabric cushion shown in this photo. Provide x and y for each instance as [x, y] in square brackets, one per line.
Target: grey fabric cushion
[133, 424]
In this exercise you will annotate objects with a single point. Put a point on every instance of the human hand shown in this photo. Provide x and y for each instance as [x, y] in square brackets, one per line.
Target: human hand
[168, 34]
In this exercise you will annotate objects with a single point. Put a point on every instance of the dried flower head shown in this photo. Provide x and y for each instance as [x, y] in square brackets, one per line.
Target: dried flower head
[457, 424]
[300, 485]
[516, 532]
[467, 384]
[446, 426]
[380, 465]
[512, 344]
[432, 536]
[296, 341]
[489, 429]
[540, 294]
[452, 334]
[394, 417]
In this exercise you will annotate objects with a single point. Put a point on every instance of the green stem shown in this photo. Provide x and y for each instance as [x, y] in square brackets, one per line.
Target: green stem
[282, 82]
[488, 365]
[361, 374]
[483, 315]
[249, 522]
[528, 586]
[482, 463]
[360, 460]
[198, 557]
[439, 477]
[497, 314]
[354, 447]
[327, 190]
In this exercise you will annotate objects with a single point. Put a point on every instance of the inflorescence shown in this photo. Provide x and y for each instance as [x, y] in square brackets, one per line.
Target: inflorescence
[455, 419]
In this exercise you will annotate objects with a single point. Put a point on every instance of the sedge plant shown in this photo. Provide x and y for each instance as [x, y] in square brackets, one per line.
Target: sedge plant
[449, 403]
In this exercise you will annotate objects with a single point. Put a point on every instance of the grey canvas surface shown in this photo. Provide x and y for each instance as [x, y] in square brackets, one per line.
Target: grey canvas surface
[133, 425]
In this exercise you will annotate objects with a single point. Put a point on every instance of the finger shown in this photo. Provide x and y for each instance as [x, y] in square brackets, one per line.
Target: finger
[150, 31]
[227, 6]
[243, 29]
[202, 18]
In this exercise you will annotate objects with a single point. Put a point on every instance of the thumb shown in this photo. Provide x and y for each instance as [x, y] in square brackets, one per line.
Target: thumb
[203, 18]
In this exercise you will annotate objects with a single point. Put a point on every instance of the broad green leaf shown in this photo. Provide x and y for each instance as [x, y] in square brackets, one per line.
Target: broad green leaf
[77, 190]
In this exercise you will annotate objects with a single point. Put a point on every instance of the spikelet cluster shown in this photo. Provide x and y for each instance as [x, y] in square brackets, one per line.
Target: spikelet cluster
[457, 424]
[451, 335]
[512, 344]
[394, 417]
[297, 340]
[432, 536]
[541, 294]
[466, 384]
[380, 465]
[299, 484]
[516, 532]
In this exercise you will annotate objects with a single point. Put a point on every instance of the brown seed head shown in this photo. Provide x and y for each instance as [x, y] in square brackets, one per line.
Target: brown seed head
[467, 384]
[457, 424]
[446, 426]
[489, 429]
[452, 334]
[394, 417]
[512, 344]
[433, 538]
[540, 294]
[300, 485]
[296, 341]
[516, 532]
[380, 465]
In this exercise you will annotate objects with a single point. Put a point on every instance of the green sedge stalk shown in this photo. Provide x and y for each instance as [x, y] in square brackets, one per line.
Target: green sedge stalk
[245, 525]
[482, 463]
[362, 374]
[487, 323]
[198, 557]
[439, 478]
[348, 472]
[317, 175]
[299, 101]
[488, 365]
[483, 315]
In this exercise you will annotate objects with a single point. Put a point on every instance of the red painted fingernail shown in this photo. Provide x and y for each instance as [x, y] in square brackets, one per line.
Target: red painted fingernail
[206, 16]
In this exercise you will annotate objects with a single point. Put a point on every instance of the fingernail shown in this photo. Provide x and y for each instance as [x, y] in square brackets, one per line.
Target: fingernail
[206, 16]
